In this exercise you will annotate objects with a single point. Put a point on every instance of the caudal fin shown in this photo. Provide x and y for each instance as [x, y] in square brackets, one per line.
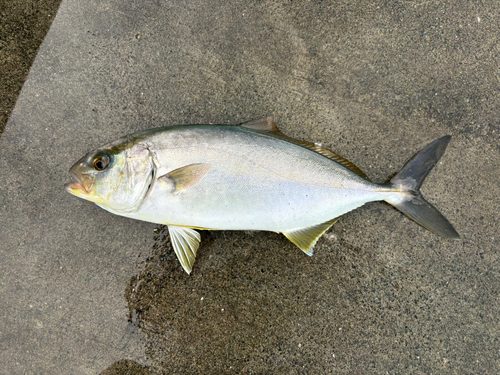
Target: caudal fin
[409, 180]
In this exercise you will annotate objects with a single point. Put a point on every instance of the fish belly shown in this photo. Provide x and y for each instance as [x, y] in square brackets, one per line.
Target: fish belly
[286, 207]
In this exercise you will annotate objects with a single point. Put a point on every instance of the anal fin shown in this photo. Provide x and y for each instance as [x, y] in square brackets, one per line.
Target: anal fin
[306, 238]
[185, 242]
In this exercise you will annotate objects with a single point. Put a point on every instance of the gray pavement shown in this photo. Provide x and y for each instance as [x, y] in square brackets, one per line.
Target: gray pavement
[82, 291]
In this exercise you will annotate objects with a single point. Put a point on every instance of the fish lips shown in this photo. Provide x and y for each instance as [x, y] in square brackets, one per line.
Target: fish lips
[83, 185]
[84, 181]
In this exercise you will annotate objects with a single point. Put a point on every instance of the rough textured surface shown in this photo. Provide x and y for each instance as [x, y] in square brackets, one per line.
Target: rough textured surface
[23, 25]
[373, 80]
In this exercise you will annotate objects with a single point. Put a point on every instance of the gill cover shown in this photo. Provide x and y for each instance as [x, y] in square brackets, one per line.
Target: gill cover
[125, 184]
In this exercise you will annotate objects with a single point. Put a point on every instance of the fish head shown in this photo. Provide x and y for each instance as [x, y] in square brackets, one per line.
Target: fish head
[118, 178]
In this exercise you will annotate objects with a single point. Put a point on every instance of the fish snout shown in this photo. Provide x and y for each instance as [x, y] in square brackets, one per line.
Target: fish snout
[84, 181]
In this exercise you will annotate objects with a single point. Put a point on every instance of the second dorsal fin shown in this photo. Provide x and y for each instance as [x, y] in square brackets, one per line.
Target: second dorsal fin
[268, 125]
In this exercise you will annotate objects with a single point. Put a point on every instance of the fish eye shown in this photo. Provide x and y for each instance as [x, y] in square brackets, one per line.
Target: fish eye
[101, 162]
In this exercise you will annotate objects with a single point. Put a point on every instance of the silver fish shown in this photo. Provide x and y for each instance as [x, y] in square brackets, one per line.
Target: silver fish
[243, 177]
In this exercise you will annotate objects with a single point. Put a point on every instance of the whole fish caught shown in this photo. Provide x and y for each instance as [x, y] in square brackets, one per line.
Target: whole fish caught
[243, 177]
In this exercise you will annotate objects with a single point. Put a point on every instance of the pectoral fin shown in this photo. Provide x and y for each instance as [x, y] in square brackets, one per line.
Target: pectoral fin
[306, 238]
[184, 177]
[185, 242]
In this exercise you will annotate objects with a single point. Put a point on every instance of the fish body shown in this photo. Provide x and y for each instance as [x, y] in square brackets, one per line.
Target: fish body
[255, 182]
[235, 177]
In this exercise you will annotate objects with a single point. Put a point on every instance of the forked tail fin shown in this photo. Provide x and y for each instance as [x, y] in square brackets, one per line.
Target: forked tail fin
[410, 178]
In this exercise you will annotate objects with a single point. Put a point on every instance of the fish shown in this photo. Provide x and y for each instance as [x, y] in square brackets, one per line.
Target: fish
[248, 176]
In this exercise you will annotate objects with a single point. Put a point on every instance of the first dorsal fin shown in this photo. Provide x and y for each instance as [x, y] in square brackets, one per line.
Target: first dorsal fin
[268, 125]
[265, 124]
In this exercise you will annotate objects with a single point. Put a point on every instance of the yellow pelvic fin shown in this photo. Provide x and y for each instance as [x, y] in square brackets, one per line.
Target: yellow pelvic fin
[185, 177]
[185, 242]
[306, 238]
[267, 125]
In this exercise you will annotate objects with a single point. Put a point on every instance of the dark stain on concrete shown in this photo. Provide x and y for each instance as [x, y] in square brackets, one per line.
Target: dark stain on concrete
[23, 25]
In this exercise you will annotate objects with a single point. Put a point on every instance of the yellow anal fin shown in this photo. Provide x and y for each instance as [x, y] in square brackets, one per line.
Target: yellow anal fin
[306, 238]
[185, 242]
[267, 125]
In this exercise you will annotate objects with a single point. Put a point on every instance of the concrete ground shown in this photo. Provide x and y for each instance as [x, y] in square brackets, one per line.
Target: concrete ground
[86, 292]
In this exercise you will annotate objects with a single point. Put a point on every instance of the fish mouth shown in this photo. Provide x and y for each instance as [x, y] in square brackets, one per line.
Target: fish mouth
[82, 186]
